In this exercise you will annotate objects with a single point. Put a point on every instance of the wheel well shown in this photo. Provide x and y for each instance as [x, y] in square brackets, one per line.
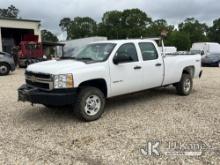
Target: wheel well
[189, 70]
[98, 83]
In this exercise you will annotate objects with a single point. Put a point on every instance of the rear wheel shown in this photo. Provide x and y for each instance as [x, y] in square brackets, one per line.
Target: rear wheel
[4, 69]
[184, 87]
[90, 104]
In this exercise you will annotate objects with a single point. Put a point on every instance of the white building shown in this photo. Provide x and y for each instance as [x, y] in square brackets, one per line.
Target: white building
[13, 30]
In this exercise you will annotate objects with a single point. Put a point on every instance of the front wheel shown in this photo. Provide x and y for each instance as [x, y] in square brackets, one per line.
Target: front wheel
[184, 87]
[90, 104]
[4, 69]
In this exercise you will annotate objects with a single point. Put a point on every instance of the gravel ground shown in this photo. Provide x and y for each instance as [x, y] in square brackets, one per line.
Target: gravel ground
[37, 135]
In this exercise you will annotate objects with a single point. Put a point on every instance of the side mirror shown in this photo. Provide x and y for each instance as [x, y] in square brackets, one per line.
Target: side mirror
[115, 60]
[121, 58]
[202, 53]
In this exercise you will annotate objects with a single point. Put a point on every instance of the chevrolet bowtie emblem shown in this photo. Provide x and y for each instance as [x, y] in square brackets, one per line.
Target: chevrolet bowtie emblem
[33, 78]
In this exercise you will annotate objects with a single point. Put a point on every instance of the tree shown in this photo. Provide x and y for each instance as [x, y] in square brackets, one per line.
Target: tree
[10, 12]
[65, 25]
[135, 22]
[181, 40]
[111, 25]
[79, 27]
[155, 28]
[82, 27]
[130, 23]
[195, 30]
[48, 36]
[214, 31]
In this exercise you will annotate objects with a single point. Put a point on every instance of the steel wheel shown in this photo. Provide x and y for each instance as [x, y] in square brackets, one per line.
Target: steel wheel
[184, 87]
[187, 85]
[90, 103]
[93, 105]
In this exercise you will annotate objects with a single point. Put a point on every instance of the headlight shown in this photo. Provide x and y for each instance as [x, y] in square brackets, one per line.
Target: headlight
[63, 81]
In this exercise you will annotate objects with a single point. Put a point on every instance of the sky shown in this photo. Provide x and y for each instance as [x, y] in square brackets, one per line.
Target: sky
[50, 12]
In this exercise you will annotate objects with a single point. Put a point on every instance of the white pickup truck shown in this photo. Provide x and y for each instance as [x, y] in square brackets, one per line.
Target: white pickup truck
[107, 69]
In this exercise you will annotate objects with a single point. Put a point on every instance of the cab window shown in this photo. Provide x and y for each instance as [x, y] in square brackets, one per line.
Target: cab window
[148, 51]
[128, 51]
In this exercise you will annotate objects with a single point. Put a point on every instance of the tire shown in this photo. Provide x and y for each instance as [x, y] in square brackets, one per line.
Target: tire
[90, 103]
[184, 87]
[4, 69]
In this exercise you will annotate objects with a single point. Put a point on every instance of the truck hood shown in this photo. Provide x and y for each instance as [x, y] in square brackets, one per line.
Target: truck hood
[56, 66]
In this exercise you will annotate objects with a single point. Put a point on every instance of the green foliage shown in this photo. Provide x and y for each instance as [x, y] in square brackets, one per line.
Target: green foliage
[48, 36]
[155, 28]
[134, 23]
[130, 23]
[65, 25]
[111, 25]
[181, 40]
[80, 27]
[10, 12]
[195, 30]
[214, 31]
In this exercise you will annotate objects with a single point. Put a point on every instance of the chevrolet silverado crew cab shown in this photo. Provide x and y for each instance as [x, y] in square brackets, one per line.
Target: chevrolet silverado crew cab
[107, 69]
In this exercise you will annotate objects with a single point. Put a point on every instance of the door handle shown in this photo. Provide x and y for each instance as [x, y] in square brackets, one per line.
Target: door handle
[137, 67]
[158, 64]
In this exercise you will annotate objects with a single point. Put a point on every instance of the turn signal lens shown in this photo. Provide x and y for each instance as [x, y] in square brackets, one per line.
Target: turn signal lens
[69, 81]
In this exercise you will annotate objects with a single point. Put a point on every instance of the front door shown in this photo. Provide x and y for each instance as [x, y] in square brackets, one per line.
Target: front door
[126, 77]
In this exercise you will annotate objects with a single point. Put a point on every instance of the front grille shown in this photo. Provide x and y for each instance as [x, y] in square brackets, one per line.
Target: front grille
[38, 84]
[39, 75]
[39, 80]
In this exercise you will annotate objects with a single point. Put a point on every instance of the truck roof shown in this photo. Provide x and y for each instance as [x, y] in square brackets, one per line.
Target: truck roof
[125, 41]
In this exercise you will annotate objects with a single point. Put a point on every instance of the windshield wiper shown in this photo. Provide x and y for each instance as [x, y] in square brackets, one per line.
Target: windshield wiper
[74, 58]
[85, 58]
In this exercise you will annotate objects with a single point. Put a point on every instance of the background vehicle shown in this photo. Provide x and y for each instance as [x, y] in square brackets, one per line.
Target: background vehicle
[107, 69]
[6, 63]
[212, 59]
[210, 52]
[30, 51]
[205, 48]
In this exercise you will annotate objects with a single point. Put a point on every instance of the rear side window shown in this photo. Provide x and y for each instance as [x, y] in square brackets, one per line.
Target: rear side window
[148, 51]
[128, 50]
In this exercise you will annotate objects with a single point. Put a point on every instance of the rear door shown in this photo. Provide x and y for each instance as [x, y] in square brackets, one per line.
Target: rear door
[126, 77]
[153, 65]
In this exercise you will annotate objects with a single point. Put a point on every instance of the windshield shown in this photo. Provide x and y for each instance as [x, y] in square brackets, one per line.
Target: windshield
[217, 55]
[196, 51]
[95, 52]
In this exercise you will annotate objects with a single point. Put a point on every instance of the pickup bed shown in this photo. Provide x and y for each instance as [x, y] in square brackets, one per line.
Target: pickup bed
[107, 69]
